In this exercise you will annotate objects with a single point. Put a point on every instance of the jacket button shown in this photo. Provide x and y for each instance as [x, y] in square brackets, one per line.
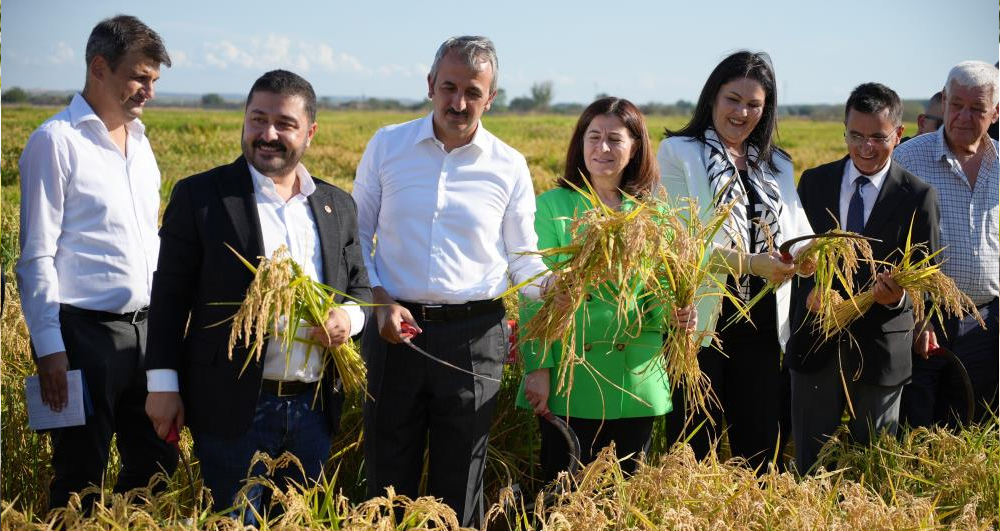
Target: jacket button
[619, 346]
[589, 297]
[586, 347]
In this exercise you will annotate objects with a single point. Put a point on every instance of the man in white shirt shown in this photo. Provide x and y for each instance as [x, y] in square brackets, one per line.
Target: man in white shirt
[288, 401]
[89, 205]
[453, 209]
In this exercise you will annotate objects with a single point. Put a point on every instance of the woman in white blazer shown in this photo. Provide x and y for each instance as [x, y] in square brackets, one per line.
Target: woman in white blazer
[727, 153]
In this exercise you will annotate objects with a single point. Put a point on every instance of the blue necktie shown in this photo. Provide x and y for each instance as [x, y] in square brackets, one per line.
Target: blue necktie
[856, 210]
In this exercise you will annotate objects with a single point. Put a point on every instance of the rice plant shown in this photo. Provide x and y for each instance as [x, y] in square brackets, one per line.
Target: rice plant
[280, 298]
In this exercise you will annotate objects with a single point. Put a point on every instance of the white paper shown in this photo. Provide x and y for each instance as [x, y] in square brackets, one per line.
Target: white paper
[40, 417]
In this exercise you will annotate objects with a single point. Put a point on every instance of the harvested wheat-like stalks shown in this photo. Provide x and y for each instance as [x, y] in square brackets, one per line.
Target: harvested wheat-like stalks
[933, 293]
[280, 298]
[686, 266]
[612, 250]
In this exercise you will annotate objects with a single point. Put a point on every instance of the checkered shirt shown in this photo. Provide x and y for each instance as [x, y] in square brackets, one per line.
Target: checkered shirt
[969, 229]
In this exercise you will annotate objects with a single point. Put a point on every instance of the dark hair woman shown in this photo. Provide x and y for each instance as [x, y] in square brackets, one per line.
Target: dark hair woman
[726, 153]
[623, 387]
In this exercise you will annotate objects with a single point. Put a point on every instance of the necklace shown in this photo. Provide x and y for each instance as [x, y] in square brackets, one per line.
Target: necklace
[735, 153]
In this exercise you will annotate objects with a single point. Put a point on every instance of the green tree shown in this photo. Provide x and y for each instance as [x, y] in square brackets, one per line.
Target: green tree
[15, 95]
[212, 100]
[541, 94]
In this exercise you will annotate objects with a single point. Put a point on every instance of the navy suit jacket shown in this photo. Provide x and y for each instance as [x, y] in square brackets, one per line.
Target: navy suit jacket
[878, 349]
[196, 270]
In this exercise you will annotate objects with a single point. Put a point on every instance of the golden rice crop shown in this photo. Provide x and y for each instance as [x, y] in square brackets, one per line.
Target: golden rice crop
[932, 292]
[611, 249]
[686, 264]
[280, 297]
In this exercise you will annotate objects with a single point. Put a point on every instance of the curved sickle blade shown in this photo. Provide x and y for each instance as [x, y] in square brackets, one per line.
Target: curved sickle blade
[786, 248]
[575, 450]
[959, 367]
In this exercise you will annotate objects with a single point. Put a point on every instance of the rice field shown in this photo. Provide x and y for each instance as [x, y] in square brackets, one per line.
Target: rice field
[922, 480]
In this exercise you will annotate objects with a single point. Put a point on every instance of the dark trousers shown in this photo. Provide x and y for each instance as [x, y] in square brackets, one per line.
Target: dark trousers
[290, 424]
[753, 391]
[936, 394]
[631, 436]
[416, 403]
[818, 402]
[110, 357]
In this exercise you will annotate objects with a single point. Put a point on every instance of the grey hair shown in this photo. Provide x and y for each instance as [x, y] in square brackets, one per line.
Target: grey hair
[473, 51]
[975, 74]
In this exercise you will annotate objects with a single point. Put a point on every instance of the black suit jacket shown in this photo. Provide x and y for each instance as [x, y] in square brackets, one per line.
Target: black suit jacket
[880, 350]
[196, 270]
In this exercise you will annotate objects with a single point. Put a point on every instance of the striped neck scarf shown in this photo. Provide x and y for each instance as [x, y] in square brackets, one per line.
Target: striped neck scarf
[727, 187]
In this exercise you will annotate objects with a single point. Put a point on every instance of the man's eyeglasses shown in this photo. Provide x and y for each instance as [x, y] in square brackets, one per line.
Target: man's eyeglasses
[858, 139]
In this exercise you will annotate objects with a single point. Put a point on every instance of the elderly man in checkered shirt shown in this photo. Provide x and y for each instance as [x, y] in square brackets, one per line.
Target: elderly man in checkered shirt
[960, 161]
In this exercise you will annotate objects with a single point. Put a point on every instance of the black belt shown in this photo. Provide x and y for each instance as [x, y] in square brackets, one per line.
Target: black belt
[451, 312]
[287, 388]
[137, 316]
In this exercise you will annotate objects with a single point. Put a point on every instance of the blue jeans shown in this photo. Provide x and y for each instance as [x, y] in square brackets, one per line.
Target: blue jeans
[280, 424]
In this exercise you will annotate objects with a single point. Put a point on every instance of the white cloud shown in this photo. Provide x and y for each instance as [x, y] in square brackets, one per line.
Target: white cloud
[61, 54]
[277, 51]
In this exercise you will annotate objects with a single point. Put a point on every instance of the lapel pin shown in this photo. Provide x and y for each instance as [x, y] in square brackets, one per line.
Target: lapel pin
[328, 209]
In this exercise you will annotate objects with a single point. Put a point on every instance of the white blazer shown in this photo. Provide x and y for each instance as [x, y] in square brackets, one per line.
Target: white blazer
[682, 173]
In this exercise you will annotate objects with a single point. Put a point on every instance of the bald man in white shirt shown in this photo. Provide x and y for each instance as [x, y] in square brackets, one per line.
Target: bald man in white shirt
[90, 197]
[453, 209]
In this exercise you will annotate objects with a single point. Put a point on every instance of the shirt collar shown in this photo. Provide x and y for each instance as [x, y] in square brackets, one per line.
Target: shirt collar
[876, 179]
[262, 184]
[480, 139]
[80, 111]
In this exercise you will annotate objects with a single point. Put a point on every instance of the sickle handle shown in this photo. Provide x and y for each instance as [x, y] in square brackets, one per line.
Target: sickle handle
[407, 330]
[173, 438]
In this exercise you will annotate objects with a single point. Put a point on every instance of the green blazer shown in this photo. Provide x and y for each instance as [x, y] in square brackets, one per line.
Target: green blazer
[619, 354]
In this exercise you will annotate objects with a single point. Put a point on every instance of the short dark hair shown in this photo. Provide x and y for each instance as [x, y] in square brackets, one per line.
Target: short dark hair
[640, 174]
[286, 83]
[113, 38]
[742, 64]
[873, 98]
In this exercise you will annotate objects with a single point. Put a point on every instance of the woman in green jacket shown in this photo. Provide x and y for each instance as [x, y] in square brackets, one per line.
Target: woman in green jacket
[616, 397]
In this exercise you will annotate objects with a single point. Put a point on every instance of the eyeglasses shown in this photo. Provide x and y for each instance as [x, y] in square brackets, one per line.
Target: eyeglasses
[857, 139]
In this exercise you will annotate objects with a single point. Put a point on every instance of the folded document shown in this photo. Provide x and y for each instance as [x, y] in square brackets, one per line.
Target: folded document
[40, 417]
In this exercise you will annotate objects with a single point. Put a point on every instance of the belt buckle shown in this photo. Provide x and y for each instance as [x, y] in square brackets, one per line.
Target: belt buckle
[281, 392]
[423, 310]
[139, 315]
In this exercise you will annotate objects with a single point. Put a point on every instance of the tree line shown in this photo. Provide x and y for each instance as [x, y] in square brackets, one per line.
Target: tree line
[538, 99]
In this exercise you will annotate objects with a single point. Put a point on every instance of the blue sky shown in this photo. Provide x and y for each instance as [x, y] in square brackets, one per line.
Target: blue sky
[644, 51]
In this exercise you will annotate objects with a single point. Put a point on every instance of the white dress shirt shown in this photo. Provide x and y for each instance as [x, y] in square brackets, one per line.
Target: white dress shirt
[289, 223]
[452, 225]
[869, 192]
[88, 221]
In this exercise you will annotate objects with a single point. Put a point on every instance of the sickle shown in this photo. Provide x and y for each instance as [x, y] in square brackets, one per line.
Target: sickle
[956, 365]
[572, 440]
[786, 248]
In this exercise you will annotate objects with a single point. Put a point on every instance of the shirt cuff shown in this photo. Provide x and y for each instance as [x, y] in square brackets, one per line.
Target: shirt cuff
[48, 342]
[356, 315]
[534, 290]
[898, 305]
[162, 381]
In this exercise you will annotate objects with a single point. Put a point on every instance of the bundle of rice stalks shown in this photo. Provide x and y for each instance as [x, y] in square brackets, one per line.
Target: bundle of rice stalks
[837, 255]
[615, 251]
[280, 298]
[933, 293]
[686, 265]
